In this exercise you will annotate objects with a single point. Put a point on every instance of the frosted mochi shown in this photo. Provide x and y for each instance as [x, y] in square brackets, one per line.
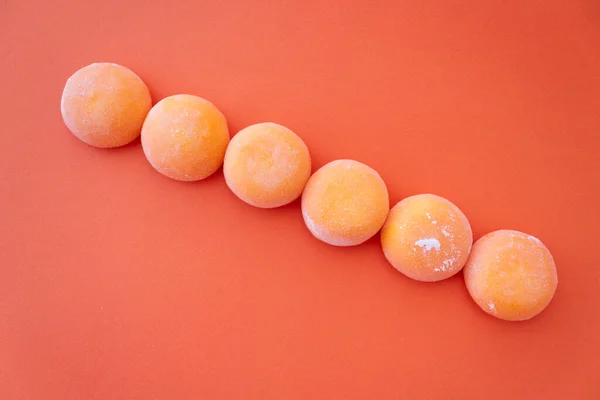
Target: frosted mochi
[104, 105]
[266, 165]
[511, 275]
[345, 203]
[427, 238]
[185, 137]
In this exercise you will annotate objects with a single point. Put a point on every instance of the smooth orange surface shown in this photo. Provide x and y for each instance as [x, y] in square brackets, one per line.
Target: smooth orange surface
[345, 203]
[511, 275]
[116, 283]
[185, 137]
[105, 104]
[427, 238]
[267, 165]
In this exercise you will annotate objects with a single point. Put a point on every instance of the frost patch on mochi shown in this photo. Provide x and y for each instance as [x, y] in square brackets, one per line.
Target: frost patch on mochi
[445, 232]
[492, 307]
[534, 239]
[446, 265]
[323, 234]
[428, 243]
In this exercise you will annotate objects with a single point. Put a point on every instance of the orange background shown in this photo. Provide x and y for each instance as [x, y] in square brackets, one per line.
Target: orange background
[118, 283]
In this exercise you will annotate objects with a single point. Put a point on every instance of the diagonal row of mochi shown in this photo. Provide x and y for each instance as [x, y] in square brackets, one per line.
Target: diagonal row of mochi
[509, 274]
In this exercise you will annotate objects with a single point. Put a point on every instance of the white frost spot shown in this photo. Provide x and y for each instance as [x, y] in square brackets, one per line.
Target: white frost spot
[492, 306]
[428, 243]
[447, 263]
[534, 239]
[445, 232]
[428, 215]
[434, 222]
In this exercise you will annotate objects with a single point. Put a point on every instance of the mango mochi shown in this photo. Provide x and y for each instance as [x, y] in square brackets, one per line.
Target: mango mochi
[345, 203]
[185, 137]
[427, 238]
[511, 275]
[267, 165]
[104, 105]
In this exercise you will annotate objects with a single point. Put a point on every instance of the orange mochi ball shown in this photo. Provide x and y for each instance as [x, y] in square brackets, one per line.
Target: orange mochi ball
[511, 275]
[185, 137]
[266, 165]
[345, 203]
[104, 105]
[427, 238]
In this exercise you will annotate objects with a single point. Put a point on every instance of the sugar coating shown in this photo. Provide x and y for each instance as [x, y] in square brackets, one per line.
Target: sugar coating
[185, 137]
[427, 238]
[267, 165]
[104, 105]
[345, 203]
[511, 275]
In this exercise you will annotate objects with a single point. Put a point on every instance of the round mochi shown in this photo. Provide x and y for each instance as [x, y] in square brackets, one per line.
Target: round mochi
[345, 203]
[427, 238]
[104, 105]
[511, 275]
[185, 137]
[266, 165]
